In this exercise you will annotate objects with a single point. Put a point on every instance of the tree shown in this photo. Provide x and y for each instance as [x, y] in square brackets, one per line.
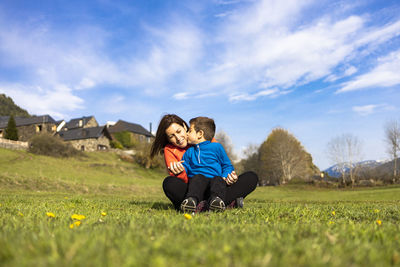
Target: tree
[226, 142]
[11, 130]
[345, 150]
[249, 161]
[282, 157]
[392, 138]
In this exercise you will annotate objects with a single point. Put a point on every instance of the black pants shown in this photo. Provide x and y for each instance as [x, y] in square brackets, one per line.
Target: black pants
[199, 185]
[175, 189]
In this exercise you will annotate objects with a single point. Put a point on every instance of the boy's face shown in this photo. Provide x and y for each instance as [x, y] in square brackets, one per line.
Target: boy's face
[193, 136]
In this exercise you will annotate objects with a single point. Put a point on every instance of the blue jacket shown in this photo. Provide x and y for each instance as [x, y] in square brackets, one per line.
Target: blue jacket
[208, 159]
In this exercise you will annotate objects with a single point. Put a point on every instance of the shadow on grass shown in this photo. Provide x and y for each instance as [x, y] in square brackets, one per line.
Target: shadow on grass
[153, 205]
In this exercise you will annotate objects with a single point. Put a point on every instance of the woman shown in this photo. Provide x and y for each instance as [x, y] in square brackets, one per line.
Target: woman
[171, 137]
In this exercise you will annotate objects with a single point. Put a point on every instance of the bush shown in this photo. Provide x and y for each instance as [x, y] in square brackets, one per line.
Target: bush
[49, 145]
[116, 144]
[142, 157]
[126, 139]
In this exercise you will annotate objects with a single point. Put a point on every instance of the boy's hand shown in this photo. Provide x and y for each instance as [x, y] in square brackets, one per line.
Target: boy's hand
[232, 178]
[176, 167]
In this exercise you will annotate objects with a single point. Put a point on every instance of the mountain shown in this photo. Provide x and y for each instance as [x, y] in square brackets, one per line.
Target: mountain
[335, 170]
[8, 107]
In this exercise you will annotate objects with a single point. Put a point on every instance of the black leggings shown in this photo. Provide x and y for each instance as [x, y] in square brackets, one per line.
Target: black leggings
[175, 188]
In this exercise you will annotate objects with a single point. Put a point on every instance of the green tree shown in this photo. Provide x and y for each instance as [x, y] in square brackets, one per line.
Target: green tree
[11, 130]
[126, 139]
[282, 158]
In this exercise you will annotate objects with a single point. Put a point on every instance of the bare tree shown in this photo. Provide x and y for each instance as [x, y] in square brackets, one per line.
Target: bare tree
[345, 151]
[226, 142]
[392, 138]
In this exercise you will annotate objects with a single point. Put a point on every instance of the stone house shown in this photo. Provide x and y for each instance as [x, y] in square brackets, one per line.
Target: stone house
[83, 122]
[28, 127]
[138, 131]
[87, 139]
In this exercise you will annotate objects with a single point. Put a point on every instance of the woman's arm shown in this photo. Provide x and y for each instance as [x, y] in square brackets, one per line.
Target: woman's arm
[173, 157]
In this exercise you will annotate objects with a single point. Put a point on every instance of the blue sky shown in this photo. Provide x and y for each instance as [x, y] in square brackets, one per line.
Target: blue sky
[317, 68]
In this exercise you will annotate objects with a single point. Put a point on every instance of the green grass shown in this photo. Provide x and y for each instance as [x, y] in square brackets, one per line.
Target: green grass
[279, 226]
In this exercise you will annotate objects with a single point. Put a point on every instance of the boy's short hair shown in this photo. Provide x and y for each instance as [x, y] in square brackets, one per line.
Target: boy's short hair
[204, 124]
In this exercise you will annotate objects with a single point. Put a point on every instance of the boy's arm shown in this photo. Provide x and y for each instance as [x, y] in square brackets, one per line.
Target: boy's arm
[226, 165]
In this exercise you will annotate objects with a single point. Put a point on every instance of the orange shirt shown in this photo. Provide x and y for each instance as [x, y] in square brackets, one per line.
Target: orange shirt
[175, 154]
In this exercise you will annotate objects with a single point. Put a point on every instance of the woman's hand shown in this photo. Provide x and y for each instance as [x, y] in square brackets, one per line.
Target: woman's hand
[176, 167]
[232, 178]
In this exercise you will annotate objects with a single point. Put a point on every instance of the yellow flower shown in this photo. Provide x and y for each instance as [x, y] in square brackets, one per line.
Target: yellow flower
[75, 224]
[188, 216]
[333, 213]
[78, 217]
[50, 214]
[376, 210]
[378, 222]
[103, 214]
[65, 197]
[330, 222]
[20, 214]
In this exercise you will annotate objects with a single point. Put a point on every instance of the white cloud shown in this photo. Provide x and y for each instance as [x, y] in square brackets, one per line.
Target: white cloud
[36, 100]
[365, 110]
[350, 71]
[249, 97]
[268, 44]
[181, 96]
[385, 74]
[370, 109]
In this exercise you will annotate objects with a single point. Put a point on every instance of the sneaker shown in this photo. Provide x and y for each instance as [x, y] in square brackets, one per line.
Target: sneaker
[236, 204]
[217, 204]
[188, 205]
[239, 203]
[202, 206]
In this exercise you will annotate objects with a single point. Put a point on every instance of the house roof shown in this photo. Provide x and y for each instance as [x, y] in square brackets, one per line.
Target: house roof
[74, 123]
[121, 126]
[23, 121]
[83, 133]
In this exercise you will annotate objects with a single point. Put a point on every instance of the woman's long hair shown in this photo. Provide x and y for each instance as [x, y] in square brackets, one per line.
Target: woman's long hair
[161, 139]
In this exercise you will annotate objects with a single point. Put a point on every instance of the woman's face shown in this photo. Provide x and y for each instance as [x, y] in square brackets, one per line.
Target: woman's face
[177, 135]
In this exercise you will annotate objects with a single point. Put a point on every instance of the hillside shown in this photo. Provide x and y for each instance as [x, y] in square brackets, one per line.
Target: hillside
[94, 173]
[8, 107]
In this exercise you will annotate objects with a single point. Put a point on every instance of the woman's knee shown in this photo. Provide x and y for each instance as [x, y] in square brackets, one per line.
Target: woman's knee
[250, 177]
[168, 183]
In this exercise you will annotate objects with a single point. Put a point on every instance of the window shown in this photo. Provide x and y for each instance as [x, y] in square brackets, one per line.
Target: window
[101, 147]
[82, 148]
[38, 128]
[80, 123]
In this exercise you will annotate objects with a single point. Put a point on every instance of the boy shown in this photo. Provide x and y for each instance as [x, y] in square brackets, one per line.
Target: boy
[207, 166]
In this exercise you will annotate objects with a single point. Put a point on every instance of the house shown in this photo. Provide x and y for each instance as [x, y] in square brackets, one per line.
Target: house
[140, 133]
[30, 126]
[87, 139]
[84, 122]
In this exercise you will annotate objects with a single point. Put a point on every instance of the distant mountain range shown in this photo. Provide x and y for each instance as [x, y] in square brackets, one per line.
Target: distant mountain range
[380, 166]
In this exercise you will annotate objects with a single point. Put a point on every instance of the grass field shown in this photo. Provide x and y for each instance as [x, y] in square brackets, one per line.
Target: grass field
[128, 220]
